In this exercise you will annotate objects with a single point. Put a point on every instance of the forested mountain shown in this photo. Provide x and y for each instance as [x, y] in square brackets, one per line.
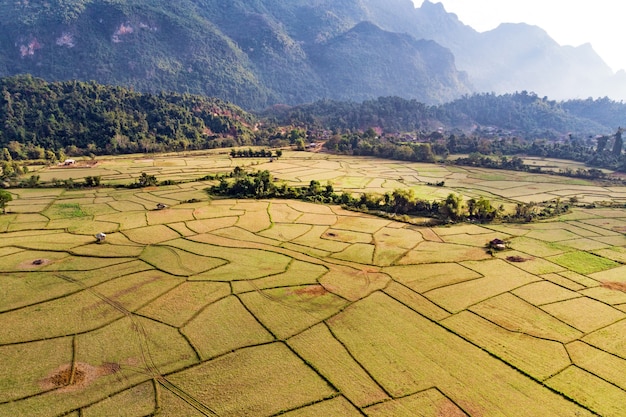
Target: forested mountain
[85, 117]
[524, 115]
[253, 53]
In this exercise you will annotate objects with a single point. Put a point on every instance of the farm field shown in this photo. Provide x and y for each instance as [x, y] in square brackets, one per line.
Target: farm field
[222, 307]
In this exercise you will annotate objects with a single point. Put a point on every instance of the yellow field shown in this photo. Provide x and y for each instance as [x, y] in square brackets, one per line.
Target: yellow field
[267, 308]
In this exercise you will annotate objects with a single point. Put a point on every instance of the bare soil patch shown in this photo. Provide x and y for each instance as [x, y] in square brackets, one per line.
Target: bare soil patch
[516, 259]
[616, 286]
[65, 379]
[314, 290]
[34, 263]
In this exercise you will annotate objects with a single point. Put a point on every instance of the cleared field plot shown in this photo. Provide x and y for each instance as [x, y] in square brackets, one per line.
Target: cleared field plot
[498, 278]
[515, 315]
[169, 215]
[424, 404]
[584, 314]
[536, 247]
[288, 311]
[224, 326]
[544, 292]
[285, 232]
[425, 277]
[353, 284]
[359, 252]
[179, 305]
[314, 238]
[598, 362]
[611, 339]
[299, 273]
[24, 365]
[591, 391]
[435, 252]
[151, 235]
[178, 262]
[406, 353]
[415, 301]
[134, 402]
[320, 349]
[536, 357]
[335, 407]
[611, 293]
[262, 380]
[583, 262]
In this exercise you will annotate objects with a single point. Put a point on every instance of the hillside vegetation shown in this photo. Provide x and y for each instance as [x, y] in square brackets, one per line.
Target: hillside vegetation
[80, 117]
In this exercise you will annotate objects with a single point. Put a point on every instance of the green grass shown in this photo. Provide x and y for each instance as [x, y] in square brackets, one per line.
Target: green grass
[583, 262]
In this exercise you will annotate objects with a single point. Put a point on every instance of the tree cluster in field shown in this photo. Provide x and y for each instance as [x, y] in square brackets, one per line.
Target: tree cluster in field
[251, 153]
[398, 204]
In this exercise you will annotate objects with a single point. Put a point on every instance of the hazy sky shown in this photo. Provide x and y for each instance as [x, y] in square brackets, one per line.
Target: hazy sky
[569, 22]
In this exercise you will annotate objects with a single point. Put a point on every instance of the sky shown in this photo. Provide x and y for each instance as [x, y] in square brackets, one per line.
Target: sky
[569, 22]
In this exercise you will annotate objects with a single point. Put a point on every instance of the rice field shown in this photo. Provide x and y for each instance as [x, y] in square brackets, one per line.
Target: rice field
[278, 307]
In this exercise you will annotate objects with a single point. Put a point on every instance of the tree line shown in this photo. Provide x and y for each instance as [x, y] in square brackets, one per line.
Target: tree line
[399, 204]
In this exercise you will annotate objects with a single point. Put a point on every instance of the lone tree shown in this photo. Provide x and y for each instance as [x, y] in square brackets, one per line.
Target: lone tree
[5, 197]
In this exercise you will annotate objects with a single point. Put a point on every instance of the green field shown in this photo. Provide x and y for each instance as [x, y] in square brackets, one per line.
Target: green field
[218, 307]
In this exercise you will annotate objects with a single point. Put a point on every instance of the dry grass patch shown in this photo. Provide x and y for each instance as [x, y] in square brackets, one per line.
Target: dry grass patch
[243, 264]
[69, 315]
[607, 293]
[255, 221]
[313, 238]
[224, 326]
[169, 215]
[589, 390]
[435, 252]
[151, 235]
[584, 313]
[536, 247]
[428, 403]
[134, 402]
[327, 356]
[299, 273]
[25, 365]
[347, 236]
[611, 339]
[425, 277]
[353, 284]
[285, 232]
[544, 292]
[534, 356]
[498, 277]
[209, 225]
[407, 353]
[415, 301]
[616, 253]
[338, 406]
[359, 252]
[283, 213]
[139, 345]
[288, 311]
[515, 315]
[179, 305]
[126, 220]
[263, 380]
[178, 262]
[217, 209]
[606, 366]
[365, 224]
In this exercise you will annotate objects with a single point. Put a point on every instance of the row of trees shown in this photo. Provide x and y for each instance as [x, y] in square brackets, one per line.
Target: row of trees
[397, 204]
[251, 153]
